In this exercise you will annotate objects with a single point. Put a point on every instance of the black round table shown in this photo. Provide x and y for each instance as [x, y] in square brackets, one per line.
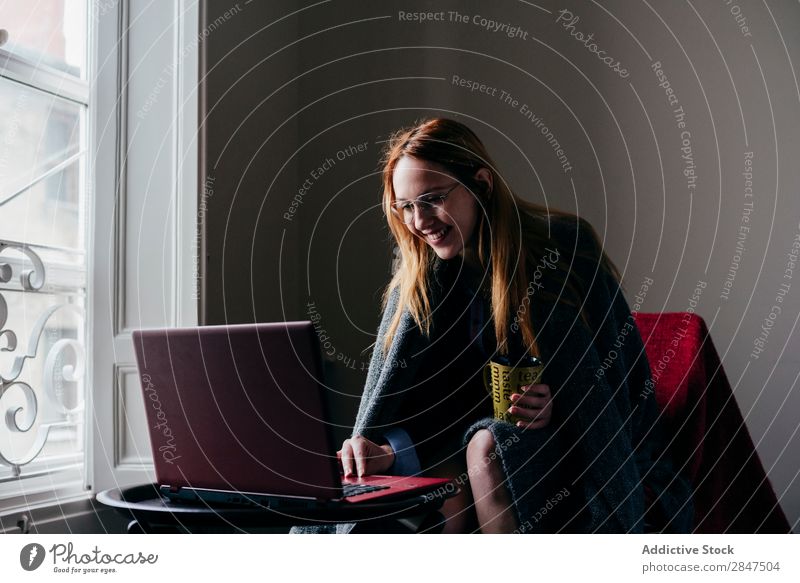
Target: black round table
[150, 512]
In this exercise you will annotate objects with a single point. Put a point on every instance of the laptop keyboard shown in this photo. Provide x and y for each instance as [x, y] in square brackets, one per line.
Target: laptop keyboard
[350, 490]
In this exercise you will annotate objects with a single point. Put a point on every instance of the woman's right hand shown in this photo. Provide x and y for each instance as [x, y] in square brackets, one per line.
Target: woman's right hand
[361, 456]
[534, 406]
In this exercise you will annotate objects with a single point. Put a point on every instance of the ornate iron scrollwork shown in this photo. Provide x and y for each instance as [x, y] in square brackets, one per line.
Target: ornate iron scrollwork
[31, 279]
[22, 419]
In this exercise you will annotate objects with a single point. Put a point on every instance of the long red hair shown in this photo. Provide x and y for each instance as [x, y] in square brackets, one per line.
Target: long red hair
[511, 236]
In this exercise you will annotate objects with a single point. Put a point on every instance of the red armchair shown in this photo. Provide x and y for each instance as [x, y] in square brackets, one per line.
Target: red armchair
[711, 446]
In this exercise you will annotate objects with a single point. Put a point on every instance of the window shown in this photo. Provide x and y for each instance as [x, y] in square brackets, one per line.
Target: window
[44, 205]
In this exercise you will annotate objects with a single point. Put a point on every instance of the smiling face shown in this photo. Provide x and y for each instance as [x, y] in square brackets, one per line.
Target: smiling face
[449, 227]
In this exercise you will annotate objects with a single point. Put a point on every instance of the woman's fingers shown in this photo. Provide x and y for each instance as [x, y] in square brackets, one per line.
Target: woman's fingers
[362, 457]
[539, 390]
[533, 397]
[530, 402]
[347, 458]
[360, 453]
[533, 407]
[353, 456]
[357, 455]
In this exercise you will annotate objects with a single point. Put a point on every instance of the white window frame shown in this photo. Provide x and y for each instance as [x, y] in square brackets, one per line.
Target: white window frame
[112, 97]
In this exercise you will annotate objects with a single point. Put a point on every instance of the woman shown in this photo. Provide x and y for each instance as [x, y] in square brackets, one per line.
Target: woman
[482, 273]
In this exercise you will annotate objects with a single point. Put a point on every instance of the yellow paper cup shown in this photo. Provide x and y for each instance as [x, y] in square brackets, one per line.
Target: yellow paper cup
[502, 380]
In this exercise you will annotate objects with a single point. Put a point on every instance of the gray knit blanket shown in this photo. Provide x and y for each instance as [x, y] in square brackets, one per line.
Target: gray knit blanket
[605, 418]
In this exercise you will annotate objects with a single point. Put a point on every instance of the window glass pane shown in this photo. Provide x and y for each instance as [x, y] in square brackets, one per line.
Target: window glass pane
[40, 171]
[47, 32]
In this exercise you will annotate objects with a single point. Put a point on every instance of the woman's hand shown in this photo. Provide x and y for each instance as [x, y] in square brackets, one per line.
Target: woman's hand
[365, 457]
[534, 406]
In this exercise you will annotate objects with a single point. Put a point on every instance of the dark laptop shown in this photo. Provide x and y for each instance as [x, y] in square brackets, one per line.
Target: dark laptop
[236, 415]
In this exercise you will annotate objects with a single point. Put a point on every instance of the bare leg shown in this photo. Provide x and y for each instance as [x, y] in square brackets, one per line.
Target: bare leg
[459, 510]
[492, 501]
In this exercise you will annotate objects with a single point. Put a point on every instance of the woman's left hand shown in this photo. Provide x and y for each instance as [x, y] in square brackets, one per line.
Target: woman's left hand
[534, 406]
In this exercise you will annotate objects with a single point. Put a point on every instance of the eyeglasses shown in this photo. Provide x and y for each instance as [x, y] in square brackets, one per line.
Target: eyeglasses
[404, 209]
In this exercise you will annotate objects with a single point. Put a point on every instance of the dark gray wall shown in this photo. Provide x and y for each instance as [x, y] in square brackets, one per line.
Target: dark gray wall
[283, 95]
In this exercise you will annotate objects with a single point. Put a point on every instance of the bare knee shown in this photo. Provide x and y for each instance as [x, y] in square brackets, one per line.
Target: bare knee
[479, 449]
[482, 463]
